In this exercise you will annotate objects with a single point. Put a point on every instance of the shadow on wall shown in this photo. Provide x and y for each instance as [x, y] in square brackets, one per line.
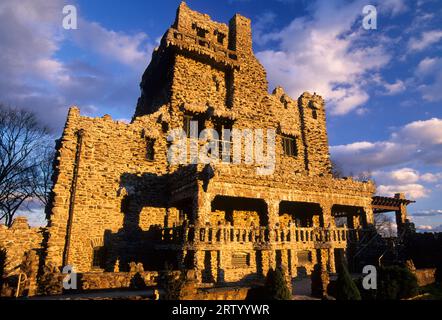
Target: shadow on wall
[131, 243]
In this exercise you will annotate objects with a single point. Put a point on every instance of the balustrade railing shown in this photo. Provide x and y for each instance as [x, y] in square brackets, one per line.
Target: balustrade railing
[256, 235]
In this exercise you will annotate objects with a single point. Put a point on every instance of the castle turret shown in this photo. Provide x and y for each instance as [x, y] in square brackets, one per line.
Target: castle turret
[314, 134]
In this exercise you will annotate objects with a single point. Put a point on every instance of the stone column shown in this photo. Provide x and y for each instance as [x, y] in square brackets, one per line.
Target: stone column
[293, 263]
[367, 217]
[324, 261]
[272, 216]
[201, 208]
[331, 260]
[214, 264]
[401, 214]
[266, 263]
[222, 260]
[326, 214]
[199, 264]
[285, 261]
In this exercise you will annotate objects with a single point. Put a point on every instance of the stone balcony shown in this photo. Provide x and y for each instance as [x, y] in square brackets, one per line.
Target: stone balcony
[256, 238]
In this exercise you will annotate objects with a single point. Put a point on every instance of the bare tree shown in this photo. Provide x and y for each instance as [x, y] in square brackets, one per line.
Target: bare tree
[22, 140]
[337, 170]
[384, 225]
[42, 174]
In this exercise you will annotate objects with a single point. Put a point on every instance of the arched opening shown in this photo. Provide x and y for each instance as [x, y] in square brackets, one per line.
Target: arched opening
[302, 214]
[241, 212]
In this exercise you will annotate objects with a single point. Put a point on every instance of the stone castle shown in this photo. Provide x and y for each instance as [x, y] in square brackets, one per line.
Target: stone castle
[118, 201]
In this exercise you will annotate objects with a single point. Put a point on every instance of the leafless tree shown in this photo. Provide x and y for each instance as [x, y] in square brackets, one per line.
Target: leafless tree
[384, 225]
[22, 140]
[337, 170]
[42, 174]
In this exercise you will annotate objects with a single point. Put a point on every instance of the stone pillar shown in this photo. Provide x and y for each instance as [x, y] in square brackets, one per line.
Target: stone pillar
[323, 261]
[266, 263]
[181, 257]
[286, 268]
[214, 264]
[199, 264]
[201, 208]
[326, 214]
[367, 217]
[293, 263]
[285, 261]
[272, 259]
[222, 259]
[272, 216]
[401, 214]
[331, 260]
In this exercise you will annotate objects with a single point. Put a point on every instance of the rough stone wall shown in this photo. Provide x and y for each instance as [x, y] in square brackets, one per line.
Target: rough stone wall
[17, 240]
[116, 280]
[118, 189]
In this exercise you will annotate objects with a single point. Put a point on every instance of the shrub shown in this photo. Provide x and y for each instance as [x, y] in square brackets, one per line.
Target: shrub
[137, 282]
[317, 281]
[346, 288]
[396, 282]
[51, 281]
[173, 284]
[276, 286]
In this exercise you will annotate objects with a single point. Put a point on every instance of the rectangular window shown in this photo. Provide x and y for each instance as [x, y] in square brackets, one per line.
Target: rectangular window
[187, 124]
[200, 32]
[150, 149]
[314, 114]
[289, 146]
[220, 37]
[225, 146]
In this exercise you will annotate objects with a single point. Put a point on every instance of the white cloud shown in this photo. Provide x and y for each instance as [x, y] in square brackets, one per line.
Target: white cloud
[431, 178]
[426, 39]
[411, 190]
[395, 6]
[34, 76]
[419, 142]
[406, 180]
[428, 228]
[133, 50]
[324, 54]
[429, 73]
[428, 213]
[427, 132]
[404, 175]
[394, 88]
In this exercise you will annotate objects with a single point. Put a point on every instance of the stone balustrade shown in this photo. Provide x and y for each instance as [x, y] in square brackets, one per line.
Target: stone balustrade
[227, 235]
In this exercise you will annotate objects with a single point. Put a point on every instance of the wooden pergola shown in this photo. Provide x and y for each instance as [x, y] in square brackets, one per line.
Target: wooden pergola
[387, 204]
[397, 204]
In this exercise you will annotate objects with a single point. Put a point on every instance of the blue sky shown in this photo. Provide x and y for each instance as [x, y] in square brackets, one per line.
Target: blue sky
[383, 87]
